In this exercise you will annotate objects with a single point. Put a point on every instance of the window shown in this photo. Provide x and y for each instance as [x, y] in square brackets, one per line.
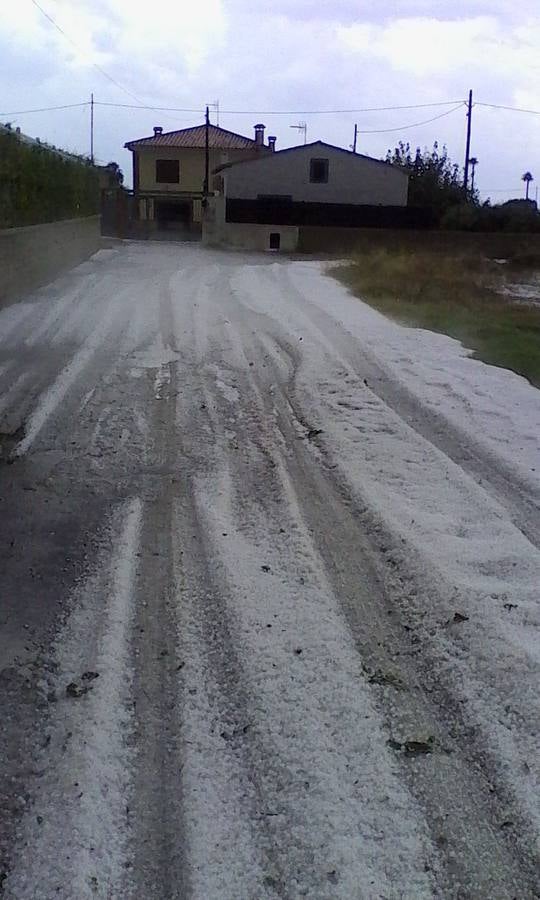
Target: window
[318, 171]
[167, 171]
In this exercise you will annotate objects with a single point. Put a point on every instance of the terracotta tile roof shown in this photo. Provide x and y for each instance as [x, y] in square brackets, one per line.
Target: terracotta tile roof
[218, 138]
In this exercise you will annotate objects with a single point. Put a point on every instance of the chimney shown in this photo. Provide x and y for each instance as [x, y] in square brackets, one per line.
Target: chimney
[272, 143]
[259, 135]
[158, 129]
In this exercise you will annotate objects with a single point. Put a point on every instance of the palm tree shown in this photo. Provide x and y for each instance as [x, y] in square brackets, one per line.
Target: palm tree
[527, 178]
[474, 162]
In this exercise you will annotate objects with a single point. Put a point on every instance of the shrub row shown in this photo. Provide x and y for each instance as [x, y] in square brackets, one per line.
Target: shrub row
[39, 184]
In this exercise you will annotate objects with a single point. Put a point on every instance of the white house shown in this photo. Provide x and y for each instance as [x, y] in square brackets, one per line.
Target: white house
[311, 184]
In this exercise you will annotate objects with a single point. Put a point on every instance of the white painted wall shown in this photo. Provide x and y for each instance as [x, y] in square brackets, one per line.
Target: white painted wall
[246, 236]
[351, 178]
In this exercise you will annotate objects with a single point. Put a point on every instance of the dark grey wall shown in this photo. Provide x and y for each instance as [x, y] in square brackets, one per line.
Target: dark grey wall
[313, 239]
[33, 256]
[351, 178]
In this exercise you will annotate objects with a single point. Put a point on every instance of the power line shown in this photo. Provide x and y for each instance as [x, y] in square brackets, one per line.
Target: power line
[532, 112]
[324, 112]
[456, 104]
[286, 112]
[191, 109]
[95, 65]
[413, 124]
[23, 112]
[153, 108]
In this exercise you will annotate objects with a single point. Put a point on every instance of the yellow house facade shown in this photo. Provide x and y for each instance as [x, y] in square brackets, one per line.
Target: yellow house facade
[169, 171]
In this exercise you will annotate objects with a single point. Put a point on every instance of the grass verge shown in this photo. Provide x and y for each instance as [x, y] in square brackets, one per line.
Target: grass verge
[455, 295]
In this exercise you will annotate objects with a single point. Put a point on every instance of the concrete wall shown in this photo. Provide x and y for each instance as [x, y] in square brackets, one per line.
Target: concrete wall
[191, 167]
[351, 178]
[257, 237]
[217, 232]
[35, 255]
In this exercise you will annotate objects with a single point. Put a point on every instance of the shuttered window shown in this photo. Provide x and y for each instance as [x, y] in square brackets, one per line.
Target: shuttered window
[167, 171]
[318, 171]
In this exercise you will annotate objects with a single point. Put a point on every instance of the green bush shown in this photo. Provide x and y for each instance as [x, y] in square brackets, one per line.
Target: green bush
[39, 184]
[513, 217]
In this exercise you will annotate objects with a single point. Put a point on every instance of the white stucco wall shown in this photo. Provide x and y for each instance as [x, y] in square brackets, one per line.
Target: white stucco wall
[351, 178]
[246, 236]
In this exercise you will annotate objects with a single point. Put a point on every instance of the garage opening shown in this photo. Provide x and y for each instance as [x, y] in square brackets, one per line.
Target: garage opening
[173, 216]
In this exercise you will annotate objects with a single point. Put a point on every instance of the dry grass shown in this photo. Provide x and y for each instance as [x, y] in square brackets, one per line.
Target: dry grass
[454, 295]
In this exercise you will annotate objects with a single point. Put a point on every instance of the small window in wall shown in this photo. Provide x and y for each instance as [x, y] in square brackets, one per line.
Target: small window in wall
[167, 171]
[318, 171]
[275, 240]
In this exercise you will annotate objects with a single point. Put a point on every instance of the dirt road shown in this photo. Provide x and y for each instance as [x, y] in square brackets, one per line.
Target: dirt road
[255, 638]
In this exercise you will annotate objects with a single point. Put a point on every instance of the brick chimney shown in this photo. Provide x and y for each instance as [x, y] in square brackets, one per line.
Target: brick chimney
[158, 129]
[259, 135]
[272, 143]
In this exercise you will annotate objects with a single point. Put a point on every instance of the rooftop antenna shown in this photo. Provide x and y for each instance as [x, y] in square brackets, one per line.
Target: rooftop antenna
[302, 126]
[215, 105]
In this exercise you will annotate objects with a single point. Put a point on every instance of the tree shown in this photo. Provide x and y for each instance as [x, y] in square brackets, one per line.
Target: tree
[527, 178]
[434, 180]
[116, 174]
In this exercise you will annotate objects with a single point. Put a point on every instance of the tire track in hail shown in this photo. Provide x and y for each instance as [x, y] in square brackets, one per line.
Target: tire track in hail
[227, 496]
[74, 839]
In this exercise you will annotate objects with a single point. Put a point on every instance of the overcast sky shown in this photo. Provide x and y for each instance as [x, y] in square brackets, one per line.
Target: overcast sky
[282, 55]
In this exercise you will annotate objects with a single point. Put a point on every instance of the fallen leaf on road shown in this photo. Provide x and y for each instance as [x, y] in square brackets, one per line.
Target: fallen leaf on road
[417, 748]
[76, 690]
[413, 747]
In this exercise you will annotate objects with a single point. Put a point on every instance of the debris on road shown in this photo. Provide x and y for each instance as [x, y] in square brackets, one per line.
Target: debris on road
[413, 746]
[76, 690]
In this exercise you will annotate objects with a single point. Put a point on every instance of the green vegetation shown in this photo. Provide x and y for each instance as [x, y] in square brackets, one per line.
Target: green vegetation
[39, 184]
[436, 183]
[455, 295]
[434, 180]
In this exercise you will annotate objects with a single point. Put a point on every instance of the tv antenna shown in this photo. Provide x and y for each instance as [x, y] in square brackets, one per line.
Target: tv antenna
[302, 126]
[215, 105]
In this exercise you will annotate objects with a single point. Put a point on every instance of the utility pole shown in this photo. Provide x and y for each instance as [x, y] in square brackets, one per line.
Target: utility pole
[355, 137]
[468, 144]
[92, 129]
[206, 157]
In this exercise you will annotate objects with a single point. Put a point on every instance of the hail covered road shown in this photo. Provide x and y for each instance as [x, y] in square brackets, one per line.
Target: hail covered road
[267, 630]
